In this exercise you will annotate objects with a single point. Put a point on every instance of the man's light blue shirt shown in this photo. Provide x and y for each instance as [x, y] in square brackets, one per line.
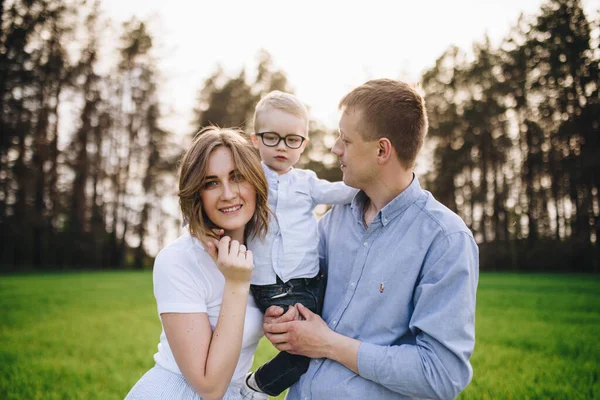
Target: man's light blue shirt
[290, 248]
[405, 287]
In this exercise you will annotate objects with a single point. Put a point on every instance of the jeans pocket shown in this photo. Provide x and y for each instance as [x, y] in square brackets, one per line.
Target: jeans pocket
[266, 297]
[279, 296]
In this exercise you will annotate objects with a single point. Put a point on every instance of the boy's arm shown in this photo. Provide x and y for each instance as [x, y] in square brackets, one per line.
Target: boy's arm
[325, 192]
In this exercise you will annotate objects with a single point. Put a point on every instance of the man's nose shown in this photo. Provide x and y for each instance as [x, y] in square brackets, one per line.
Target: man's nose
[337, 148]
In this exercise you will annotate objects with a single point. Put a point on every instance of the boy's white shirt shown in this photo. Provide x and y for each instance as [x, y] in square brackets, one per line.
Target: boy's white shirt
[290, 248]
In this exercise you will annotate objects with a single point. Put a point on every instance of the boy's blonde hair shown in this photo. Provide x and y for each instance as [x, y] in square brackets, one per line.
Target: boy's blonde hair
[192, 178]
[285, 102]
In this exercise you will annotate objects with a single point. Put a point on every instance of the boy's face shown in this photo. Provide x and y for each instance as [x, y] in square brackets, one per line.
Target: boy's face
[280, 158]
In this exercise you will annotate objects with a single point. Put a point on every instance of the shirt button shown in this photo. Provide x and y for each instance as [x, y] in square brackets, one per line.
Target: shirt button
[334, 322]
[365, 244]
[352, 284]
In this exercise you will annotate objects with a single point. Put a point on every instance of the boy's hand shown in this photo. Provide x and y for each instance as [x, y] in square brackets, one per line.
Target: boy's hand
[275, 315]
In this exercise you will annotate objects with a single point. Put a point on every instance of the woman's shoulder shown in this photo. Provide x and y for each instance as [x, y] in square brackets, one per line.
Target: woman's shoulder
[185, 263]
[185, 250]
[183, 273]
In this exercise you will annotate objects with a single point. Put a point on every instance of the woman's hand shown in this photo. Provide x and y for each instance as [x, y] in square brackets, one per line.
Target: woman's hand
[206, 357]
[234, 261]
[211, 243]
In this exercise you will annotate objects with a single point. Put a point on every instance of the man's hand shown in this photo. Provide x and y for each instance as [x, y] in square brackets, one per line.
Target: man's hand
[275, 315]
[310, 337]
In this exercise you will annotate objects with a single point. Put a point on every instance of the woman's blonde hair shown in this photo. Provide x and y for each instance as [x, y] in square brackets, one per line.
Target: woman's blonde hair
[192, 178]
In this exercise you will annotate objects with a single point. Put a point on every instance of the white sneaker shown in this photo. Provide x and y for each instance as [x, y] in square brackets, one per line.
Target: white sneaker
[248, 393]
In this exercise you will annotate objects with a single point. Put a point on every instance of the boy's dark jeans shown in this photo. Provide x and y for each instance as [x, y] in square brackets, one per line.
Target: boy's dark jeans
[285, 369]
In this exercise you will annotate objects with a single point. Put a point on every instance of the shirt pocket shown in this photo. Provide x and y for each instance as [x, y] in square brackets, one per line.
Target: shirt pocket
[301, 196]
[301, 188]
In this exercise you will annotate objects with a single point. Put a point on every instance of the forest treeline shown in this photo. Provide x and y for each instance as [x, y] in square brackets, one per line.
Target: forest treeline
[85, 163]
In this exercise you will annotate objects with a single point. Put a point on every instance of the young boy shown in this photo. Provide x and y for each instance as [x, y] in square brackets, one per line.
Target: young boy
[286, 262]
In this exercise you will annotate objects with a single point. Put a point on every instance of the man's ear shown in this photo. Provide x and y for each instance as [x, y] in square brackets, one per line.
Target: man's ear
[384, 150]
[254, 140]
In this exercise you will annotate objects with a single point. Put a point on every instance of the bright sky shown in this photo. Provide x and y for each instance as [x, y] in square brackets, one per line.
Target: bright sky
[325, 47]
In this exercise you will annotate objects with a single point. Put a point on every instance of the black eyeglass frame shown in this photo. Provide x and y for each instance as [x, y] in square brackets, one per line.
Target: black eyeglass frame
[284, 138]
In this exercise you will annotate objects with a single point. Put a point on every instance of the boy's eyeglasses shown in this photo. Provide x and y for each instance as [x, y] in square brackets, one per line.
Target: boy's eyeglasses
[272, 139]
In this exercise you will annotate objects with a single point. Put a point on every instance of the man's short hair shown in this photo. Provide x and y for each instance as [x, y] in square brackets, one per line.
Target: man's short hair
[390, 109]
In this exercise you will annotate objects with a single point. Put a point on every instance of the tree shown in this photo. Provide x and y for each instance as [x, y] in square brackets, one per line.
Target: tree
[230, 102]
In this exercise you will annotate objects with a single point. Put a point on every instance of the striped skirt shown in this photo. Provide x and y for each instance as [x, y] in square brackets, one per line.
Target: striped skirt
[161, 384]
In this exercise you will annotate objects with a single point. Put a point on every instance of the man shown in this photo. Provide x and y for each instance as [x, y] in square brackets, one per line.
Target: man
[399, 311]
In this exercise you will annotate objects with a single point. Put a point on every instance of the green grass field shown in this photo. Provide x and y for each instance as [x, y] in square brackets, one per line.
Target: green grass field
[92, 335]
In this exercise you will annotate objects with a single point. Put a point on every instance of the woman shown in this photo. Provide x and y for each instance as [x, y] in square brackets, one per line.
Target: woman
[211, 326]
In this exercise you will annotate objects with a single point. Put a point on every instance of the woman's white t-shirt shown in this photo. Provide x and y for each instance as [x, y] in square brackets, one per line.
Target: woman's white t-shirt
[186, 280]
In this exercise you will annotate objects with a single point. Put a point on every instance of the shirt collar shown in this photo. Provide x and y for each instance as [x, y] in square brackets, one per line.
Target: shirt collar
[271, 175]
[392, 209]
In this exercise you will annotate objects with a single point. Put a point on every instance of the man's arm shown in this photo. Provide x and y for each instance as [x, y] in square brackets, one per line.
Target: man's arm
[437, 365]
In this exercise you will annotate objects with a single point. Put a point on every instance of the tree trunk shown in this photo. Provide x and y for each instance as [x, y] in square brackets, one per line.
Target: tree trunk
[40, 156]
